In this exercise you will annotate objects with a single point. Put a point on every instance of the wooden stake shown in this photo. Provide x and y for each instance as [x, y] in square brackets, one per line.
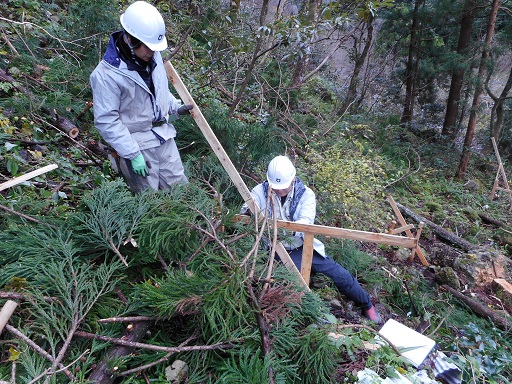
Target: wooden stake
[6, 312]
[27, 176]
[500, 172]
[226, 162]
[307, 256]
[408, 232]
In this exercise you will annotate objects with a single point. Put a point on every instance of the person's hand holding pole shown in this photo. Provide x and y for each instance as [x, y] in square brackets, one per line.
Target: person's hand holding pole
[185, 109]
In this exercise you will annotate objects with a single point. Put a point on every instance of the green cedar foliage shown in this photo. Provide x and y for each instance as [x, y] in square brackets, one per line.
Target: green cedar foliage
[201, 292]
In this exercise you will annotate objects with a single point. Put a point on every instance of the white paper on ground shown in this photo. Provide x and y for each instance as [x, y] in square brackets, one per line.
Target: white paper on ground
[418, 346]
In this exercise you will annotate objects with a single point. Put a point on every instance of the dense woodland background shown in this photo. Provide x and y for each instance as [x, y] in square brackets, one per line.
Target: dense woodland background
[370, 99]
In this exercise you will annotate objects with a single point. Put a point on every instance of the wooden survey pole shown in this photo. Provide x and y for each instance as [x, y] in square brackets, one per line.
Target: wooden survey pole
[226, 162]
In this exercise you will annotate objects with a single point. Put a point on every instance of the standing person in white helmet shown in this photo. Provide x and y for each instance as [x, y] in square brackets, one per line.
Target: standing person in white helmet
[294, 201]
[133, 107]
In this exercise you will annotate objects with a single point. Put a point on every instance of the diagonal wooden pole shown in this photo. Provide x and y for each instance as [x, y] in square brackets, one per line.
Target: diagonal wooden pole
[501, 171]
[226, 162]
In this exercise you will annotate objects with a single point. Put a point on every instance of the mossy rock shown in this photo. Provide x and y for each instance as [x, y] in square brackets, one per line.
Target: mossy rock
[471, 214]
[447, 275]
[434, 207]
[474, 185]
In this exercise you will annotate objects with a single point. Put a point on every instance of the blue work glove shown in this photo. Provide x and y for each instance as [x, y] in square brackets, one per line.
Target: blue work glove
[185, 109]
[139, 165]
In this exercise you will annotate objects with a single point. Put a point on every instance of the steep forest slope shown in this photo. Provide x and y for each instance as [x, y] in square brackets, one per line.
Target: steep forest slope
[106, 286]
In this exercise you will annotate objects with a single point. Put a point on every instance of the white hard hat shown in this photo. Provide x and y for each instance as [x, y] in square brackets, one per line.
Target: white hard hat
[143, 21]
[280, 172]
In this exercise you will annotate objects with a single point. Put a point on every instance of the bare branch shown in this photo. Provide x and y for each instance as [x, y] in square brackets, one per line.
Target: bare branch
[38, 349]
[133, 344]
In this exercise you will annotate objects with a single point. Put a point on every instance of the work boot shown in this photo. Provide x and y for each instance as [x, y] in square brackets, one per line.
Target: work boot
[372, 315]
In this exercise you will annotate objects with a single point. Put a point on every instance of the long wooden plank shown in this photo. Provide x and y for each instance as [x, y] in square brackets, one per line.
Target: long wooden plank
[209, 135]
[352, 234]
[226, 161]
[27, 176]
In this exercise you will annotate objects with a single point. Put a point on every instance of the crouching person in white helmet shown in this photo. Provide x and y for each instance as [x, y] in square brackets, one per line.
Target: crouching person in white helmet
[294, 201]
[133, 107]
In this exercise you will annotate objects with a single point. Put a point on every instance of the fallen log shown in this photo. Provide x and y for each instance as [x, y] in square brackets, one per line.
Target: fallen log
[480, 310]
[65, 125]
[102, 374]
[439, 231]
[490, 220]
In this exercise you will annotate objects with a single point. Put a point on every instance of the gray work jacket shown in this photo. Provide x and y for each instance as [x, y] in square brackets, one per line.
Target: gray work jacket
[304, 213]
[125, 110]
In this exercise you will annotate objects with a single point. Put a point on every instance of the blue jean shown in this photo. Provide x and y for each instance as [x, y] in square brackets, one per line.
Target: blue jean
[343, 279]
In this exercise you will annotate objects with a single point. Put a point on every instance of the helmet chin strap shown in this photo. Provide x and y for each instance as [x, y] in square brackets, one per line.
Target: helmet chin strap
[127, 41]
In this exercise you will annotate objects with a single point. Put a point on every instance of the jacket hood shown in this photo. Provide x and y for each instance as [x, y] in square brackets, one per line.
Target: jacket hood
[111, 55]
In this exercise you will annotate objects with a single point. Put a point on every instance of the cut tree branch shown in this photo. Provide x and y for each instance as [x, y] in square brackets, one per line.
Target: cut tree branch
[439, 231]
[152, 347]
[480, 309]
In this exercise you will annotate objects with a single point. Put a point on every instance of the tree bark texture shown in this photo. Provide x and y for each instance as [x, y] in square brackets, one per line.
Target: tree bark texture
[470, 132]
[452, 104]
[412, 64]
[359, 60]
[101, 375]
[497, 112]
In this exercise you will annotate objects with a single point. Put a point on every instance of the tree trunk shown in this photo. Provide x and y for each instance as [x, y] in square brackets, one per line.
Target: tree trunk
[470, 133]
[452, 104]
[359, 60]
[444, 234]
[497, 113]
[412, 64]
[300, 66]
[481, 310]
[252, 64]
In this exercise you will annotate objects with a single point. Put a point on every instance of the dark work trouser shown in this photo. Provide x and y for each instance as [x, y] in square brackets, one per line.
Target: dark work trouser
[343, 279]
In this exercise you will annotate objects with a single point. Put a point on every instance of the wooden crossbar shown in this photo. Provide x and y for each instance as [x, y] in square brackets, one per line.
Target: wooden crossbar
[310, 230]
[500, 172]
[351, 234]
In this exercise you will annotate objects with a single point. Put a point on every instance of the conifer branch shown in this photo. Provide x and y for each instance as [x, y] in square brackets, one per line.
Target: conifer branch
[114, 248]
[274, 242]
[213, 234]
[21, 296]
[47, 371]
[64, 347]
[38, 349]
